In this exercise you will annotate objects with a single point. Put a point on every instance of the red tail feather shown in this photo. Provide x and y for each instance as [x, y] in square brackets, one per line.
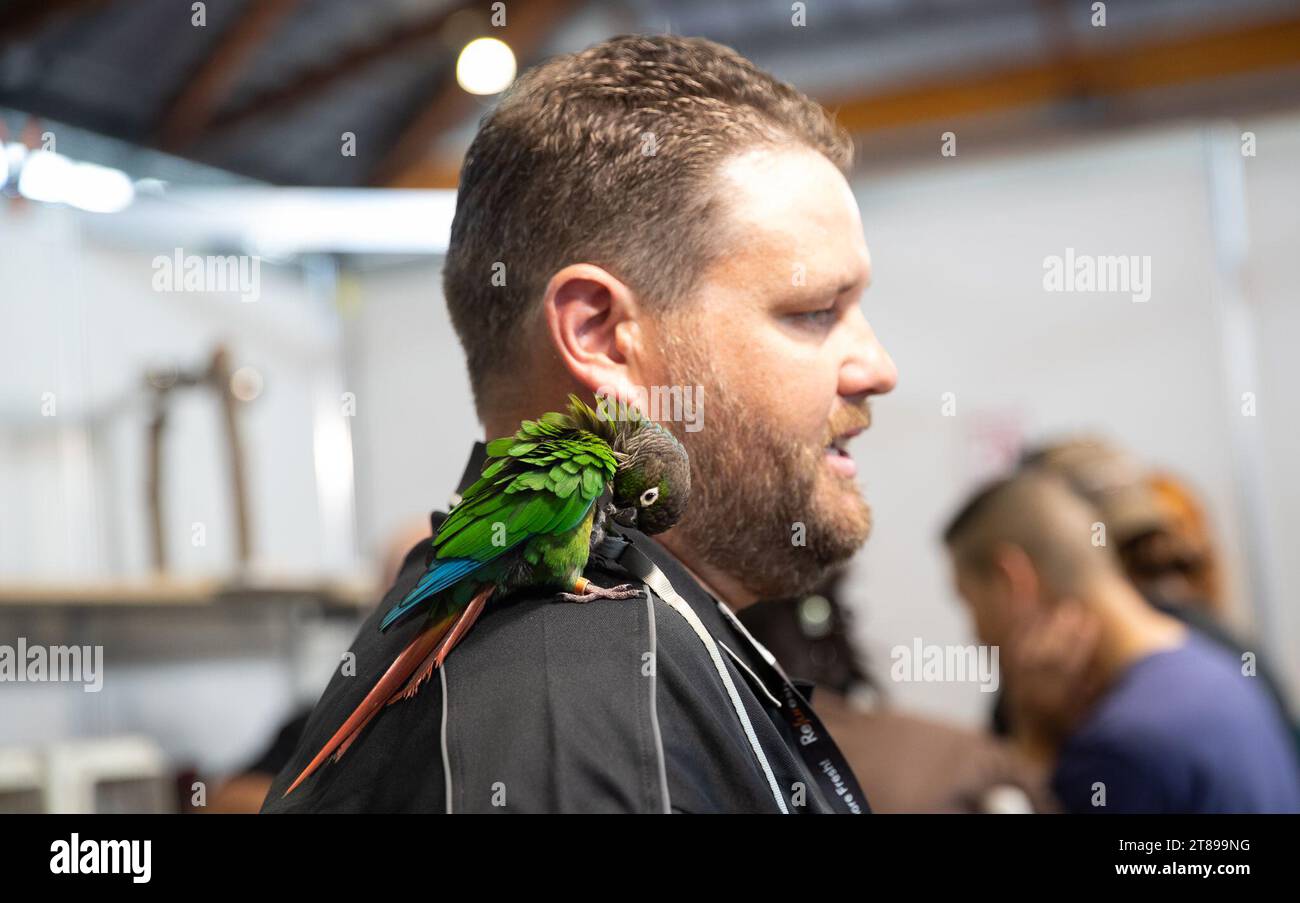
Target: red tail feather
[422, 656]
[443, 649]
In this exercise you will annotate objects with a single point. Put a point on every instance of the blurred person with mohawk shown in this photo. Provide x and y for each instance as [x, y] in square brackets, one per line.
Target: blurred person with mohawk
[1133, 711]
[1163, 538]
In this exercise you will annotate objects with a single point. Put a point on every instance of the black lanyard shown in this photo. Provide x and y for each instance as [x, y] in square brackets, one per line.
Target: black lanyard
[818, 751]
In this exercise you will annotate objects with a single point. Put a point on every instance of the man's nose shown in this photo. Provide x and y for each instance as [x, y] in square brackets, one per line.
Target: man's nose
[868, 369]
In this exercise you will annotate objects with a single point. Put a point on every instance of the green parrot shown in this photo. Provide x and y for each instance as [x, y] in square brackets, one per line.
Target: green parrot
[532, 519]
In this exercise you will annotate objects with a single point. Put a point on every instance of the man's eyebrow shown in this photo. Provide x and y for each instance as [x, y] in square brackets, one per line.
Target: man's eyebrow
[821, 291]
[851, 281]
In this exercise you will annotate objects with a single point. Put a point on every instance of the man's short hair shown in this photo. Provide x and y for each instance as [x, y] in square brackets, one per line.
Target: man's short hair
[1043, 515]
[968, 516]
[606, 157]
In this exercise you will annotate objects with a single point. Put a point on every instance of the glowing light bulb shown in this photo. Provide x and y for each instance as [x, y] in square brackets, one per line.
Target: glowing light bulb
[485, 66]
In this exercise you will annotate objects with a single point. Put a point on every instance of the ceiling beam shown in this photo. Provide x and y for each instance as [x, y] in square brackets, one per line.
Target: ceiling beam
[429, 172]
[192, 109]
[318, 81]
[1112, 72]
[25, 17]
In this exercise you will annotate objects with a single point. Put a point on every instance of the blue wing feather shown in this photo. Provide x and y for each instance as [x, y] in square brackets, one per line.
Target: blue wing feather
[442, 575]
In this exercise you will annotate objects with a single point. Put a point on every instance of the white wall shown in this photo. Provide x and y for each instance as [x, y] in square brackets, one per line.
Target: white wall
[1273, 291]
[415, 418]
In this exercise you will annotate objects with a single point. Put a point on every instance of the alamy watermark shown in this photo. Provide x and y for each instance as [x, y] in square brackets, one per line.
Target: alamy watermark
[103, 857]
[1090, 273]
[196, 273]
[675, 404]
[53, 664]
[922, 663]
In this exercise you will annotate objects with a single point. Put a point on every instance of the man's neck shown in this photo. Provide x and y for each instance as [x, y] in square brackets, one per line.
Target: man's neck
[506, 407]
[498, 426]
[1131, 630]
[717, 583]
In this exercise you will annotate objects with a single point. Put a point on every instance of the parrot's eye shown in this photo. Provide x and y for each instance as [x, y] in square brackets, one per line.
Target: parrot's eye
[648, 497]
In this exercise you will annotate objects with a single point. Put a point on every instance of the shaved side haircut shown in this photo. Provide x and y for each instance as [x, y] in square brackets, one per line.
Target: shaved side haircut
[1041, 514]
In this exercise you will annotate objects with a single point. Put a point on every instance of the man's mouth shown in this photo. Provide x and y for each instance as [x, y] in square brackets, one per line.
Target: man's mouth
[837, 455]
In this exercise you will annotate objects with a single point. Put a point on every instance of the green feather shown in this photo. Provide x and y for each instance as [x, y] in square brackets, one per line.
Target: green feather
[537, 486]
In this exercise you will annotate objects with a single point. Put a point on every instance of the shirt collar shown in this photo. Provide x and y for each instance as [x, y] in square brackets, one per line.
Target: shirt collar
[709, 610]
[473, 469]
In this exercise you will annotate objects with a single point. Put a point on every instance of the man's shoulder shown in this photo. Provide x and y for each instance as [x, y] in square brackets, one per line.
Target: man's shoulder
[1176, 717]
[533, 631]
[1181, 691]
[537, 633]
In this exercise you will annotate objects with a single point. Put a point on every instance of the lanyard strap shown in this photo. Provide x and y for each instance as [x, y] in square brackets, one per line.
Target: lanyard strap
[818, 751]
[816, 747]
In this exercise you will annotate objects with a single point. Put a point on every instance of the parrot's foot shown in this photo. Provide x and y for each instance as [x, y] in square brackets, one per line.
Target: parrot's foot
[589, 592]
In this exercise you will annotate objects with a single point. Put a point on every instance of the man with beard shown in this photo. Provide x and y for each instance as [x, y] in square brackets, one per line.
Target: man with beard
[652, 211]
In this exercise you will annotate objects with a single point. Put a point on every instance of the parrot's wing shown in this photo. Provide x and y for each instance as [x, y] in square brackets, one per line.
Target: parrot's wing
[440, 575]
[543, 481]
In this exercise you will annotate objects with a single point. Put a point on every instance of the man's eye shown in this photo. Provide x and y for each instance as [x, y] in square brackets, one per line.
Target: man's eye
[815, 318]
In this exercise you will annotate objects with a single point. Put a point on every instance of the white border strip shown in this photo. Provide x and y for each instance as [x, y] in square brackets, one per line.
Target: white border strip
[654, 707]
[446, 762]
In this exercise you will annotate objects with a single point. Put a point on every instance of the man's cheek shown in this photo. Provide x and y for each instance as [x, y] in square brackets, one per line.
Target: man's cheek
[803, 403]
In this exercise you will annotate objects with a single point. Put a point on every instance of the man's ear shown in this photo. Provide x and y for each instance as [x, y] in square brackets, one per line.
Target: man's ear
[1019, 577]
[592, 322]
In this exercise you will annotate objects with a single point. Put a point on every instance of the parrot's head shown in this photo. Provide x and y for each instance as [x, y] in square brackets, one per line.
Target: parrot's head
[653, 482]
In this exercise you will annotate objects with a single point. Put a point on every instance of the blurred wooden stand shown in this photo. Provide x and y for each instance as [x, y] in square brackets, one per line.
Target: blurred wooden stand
[161, 589]
[217, 378]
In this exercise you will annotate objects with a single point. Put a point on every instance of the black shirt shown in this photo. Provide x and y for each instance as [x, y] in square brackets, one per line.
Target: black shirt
[549, 706]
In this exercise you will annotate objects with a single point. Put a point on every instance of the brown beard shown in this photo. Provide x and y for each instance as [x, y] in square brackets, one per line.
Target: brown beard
[751, 488]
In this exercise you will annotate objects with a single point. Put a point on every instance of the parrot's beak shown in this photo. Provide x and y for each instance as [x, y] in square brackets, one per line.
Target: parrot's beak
[625, 517]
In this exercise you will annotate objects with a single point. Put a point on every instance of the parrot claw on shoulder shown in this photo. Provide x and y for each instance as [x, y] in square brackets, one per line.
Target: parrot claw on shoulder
[589, 592]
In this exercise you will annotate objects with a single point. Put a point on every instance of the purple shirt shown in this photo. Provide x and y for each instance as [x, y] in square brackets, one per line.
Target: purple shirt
[1182, 731]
